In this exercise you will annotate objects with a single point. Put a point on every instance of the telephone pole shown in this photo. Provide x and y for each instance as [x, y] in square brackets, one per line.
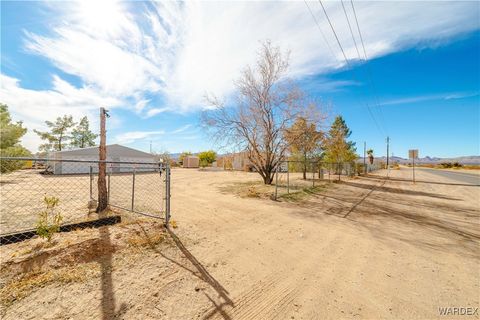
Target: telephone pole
[102, 166]
[388, 146]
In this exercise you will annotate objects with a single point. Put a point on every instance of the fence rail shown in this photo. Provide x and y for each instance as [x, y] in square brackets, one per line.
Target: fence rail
[297, 175]
[134, 189]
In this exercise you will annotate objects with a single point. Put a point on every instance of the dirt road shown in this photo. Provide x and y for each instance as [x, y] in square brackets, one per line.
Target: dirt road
[366, 248]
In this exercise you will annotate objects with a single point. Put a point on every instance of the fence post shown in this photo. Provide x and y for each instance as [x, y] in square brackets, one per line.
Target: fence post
[276, 181]
[313, 175]
[91, 183]
[288, 177]
[133, 189]
[108, 185]
[167, 194]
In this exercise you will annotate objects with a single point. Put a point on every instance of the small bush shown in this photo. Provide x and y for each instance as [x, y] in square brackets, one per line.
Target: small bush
[446, 165]
[49, 220]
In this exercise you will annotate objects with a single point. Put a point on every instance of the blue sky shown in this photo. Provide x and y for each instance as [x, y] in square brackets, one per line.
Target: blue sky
[152, 63]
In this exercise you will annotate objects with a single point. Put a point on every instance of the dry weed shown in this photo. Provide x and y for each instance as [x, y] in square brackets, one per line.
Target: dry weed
[22, 285]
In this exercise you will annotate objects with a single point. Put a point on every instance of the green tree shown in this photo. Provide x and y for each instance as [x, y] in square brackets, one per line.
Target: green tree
[207, 158]
[183, 155]
[82, 137]
[58, 136]
[10, 135]
[304, 142]
[337, 148]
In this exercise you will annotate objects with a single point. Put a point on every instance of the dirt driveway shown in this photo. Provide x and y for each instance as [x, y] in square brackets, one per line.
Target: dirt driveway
[366, 248]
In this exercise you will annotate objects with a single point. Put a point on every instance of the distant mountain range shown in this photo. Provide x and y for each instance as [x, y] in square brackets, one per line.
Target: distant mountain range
[431, 160]
[425, 160]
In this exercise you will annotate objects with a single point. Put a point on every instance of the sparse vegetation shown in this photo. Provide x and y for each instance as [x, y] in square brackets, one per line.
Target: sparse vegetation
[49, 220]
[58, 136]
[301, 195]
[22, 285]
[10, 134]
[268, 104]
[207, 158]
[337, 148]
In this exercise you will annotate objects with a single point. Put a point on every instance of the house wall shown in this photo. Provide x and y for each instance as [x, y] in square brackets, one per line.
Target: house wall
[92, 154]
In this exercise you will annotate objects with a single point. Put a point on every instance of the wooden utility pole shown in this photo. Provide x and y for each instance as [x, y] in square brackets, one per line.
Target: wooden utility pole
[388, 145]
[102, 166]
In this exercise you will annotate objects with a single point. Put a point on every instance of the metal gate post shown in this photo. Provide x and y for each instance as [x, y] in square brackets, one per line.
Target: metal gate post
[288, 177]
[133, 189]
[313, 176]
[91, 183]
[276, 181]
[167, 194]
[108, 185]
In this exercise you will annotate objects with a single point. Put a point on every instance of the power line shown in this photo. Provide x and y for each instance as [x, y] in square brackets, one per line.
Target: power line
[334, 33]
[350, 27]
[368, 67]
[348, 63]
[320, 29]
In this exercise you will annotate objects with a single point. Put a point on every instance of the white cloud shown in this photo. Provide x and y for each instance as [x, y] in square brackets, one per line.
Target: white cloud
[430, 97]
[182, 50]
[132, 136]
[33, 107]
[182, 129]
[132, 55]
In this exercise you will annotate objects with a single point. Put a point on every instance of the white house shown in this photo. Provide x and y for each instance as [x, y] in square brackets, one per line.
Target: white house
[115, 152]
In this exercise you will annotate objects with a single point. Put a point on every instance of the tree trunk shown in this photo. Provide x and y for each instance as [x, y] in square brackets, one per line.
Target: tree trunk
[102, 167]
[268, 177]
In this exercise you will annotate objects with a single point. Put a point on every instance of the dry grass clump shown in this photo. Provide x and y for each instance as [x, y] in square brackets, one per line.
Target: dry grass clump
[301, 195]
[252, 189]
[140, 240]
[21, 286]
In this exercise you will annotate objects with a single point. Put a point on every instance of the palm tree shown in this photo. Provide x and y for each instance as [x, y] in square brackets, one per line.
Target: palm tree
[370, 155]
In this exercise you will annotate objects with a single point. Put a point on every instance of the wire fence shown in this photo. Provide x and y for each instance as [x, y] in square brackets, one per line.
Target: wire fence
[293, 176]
[27, 185]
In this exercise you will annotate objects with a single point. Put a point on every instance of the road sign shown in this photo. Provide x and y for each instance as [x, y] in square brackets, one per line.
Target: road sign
[413, 154]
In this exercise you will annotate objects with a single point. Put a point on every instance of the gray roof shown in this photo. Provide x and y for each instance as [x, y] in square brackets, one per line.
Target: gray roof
[112, 150]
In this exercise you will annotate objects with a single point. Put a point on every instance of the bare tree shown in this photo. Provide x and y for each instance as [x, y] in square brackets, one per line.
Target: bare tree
[267, 104]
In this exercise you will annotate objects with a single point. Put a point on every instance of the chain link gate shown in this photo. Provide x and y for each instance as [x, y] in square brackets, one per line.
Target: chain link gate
[134, 190]
[148, 191]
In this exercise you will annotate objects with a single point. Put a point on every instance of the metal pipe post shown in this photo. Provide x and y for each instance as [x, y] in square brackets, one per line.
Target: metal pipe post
[91, 183]
[276, 182]
[313, 176]
[167, 194]
[108, 185]
[288, 177]
[133, 189]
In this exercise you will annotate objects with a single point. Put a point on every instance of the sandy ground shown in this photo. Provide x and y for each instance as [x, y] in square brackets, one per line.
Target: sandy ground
[366, 248]
[22, 193]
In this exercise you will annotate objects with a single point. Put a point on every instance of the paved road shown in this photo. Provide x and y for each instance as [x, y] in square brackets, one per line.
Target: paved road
[463, 177]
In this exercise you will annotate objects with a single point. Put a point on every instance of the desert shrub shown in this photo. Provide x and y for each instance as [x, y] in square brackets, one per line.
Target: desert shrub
[446, 165]
[49, 220]
[457, 165]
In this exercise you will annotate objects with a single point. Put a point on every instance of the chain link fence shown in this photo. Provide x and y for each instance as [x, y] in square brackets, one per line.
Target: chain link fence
[295, 176]
[30, 186]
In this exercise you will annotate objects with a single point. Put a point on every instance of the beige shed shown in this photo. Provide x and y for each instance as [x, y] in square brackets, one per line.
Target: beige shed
[191, 162]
